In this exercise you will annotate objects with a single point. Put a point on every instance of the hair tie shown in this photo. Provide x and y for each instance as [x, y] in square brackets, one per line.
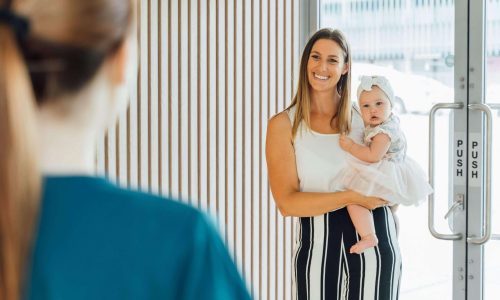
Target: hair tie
[20, 25]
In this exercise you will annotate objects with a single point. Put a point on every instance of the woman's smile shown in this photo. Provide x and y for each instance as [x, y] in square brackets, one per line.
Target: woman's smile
[320, 77]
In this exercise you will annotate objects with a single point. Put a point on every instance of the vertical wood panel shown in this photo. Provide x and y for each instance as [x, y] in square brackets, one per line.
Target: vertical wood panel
[234, 129]
[169, 98]
[149, 83]
[243, 134]
[226, 123]
[278, 82]
[268, 202]
[211, 73]
[198, 102]
[179, 73]
[260, 141]
[189, 104]
[217, 153]
[208, 82]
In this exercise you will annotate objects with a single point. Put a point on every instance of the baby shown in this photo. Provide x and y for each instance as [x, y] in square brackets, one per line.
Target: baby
[380, 167]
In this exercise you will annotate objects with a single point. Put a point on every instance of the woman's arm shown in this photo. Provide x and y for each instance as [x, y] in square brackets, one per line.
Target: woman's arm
[284, 181]
[371, 154]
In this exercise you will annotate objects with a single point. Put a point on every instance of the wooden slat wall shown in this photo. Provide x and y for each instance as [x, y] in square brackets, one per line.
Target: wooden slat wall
[211, 73]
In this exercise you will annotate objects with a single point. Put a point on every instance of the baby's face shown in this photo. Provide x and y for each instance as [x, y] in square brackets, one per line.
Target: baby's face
[375, 107]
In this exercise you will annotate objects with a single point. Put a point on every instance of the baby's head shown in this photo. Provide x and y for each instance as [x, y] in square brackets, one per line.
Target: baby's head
[375, 99]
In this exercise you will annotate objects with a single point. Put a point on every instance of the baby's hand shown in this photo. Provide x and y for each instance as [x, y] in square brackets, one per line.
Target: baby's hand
[345, 142]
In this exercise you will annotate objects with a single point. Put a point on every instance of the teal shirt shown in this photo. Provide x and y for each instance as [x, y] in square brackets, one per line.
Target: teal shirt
[98, 241]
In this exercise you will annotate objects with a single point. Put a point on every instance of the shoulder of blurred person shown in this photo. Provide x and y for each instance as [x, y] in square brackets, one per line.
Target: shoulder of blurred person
[98, 240]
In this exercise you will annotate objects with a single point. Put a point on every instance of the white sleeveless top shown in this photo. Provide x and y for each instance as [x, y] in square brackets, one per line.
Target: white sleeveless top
[319, 157]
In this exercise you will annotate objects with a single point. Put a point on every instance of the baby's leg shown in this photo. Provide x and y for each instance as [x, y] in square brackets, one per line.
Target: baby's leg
[363, 222]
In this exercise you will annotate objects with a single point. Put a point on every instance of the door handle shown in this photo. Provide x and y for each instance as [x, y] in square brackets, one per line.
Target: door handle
[495, 106]
[432, 114]
[487, 199]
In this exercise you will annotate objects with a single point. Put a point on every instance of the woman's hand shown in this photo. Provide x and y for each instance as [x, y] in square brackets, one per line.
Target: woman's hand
[367, 202]
[345, 142]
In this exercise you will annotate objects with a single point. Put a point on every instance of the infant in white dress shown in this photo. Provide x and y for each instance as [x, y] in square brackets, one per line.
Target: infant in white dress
[379, 168]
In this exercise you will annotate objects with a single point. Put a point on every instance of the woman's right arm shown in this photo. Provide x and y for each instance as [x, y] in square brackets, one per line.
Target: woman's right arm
[284, 181]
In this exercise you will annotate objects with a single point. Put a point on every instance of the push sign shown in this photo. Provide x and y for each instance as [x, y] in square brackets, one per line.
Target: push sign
[475, 154]
[459, 159]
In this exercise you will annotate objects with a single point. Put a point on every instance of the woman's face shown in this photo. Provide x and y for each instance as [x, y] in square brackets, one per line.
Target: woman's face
[325, 65]
[375, 107]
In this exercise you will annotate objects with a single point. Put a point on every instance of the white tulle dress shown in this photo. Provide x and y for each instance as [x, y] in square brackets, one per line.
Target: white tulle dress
[396, 178]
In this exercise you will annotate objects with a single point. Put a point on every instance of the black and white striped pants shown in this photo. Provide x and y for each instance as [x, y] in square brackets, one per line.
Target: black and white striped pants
[325, 270]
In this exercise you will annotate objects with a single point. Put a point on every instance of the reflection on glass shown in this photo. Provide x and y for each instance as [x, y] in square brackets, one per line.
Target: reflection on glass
[411, 43]
[492, 248]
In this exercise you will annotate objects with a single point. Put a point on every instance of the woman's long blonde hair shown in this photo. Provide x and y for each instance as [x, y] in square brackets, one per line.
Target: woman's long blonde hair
[302, 99]
[66, 44]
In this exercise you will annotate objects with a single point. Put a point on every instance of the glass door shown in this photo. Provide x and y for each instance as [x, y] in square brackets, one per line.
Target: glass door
[412, 43]
[490, 285]
[447, 52]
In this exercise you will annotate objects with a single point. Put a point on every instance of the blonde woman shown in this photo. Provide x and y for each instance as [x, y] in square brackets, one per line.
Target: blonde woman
[303, 157]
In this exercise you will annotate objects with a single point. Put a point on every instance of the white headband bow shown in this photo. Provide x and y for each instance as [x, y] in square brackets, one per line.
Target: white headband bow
[368, 81]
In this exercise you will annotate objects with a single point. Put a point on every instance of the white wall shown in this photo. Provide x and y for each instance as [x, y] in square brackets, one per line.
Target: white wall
[212, 72]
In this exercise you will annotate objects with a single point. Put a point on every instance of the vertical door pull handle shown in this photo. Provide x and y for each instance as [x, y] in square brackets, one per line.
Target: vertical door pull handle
[432, 114]
[495, 106]
[487, 199]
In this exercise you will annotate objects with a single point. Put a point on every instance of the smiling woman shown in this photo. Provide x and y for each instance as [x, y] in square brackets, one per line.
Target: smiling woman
[325, 66]
[303, 157]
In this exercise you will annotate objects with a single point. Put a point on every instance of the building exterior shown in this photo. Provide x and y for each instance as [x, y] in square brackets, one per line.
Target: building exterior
[410, 35]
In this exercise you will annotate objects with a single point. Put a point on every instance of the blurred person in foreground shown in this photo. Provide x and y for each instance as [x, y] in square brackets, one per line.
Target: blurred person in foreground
[64, 233]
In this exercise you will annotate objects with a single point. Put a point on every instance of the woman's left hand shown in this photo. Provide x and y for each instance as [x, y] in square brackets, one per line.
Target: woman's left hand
[370, 203]
[345, 142]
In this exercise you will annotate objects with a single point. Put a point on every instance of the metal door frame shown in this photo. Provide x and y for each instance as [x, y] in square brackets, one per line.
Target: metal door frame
[470, 202]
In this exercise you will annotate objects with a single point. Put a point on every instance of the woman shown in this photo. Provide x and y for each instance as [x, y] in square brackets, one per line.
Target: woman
[69, 235]
[303, 156]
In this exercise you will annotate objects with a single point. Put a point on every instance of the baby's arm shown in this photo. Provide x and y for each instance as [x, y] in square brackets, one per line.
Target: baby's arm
[371, 154]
